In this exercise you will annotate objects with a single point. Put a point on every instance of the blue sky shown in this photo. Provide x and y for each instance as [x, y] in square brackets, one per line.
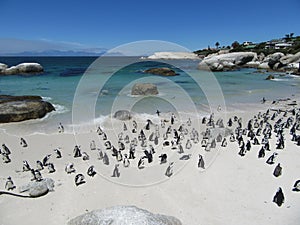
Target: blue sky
[59, 24]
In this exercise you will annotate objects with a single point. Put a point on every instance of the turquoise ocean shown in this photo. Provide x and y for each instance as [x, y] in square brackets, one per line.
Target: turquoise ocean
[64, 78]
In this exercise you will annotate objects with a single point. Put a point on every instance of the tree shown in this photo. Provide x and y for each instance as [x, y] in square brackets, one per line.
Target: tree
[291, 35]
[235, 45]
[217, 44]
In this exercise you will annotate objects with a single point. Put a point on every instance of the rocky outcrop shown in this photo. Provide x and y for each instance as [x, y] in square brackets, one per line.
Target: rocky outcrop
[3, 67]
[20, 108]
[173, 55]
[161, 71]
[123, 115]
[23, 68]
[226, 61]
[270, 77]
[290, 59]
[38, 189]
[144, 89]
[123, 215]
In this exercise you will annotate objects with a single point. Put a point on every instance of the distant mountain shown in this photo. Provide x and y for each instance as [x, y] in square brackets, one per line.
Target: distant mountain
[84, 52]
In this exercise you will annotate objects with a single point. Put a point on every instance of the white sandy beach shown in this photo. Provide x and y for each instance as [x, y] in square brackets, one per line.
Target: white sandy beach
[232, 190]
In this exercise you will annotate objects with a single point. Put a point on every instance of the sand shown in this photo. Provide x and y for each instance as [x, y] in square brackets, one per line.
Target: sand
[231, 190]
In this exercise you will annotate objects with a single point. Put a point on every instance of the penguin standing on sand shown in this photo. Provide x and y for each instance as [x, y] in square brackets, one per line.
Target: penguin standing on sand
[61, 128]
[58, 153]
[126, 161]
[105, 159]
[46, 160]
[278, 170]
[224, 143]
[296, 186]
[279, 197]
[9, 185]
[70, 168]
[169, 170]
[201, 162]
[93, 145]
[39, 165]
[163, 158]
[141, 163]
[23, 143]
[91, 171]
[77, 152]
[26, 166]
[271, 159]
[79, 179]
[51, 168]
[116, 172]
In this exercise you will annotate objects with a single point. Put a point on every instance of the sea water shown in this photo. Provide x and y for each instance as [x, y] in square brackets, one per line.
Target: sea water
[89, 89]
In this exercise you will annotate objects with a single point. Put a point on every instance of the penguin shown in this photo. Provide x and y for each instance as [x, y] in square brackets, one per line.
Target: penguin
[126, 139]
[61, 128]
[149, 156]
[261, 153]
[116, 172]
[188, 144]
[51, 168]
[126, 162]
[169, 170]
[58, 153]
[271, 159]
[92, 145]
[279, 197]
[229, 123]
[180, 149]
[213, 144]
[9, 185]
[38, 175]
[6, 158]
[201, 162]
[204, 143]
[91, 171]
[23, 143]
[219, 138]
[156, 140]
[248, 145]
[147, 127]
[85, 156]
[107, 144]
[141, 164]
[99, 131]
[296, 186]
[278, 170]
[121, 146]
[124, 127]
[100, 154]
[172, 118]
[224, 143]
[104, 136]
[39, 165]
[105, 159]
[131, 152]
[79, 179]
[26, 166]
[120, 136]
[163, 158]
[189, 122]
[6, 149]
[46, 160]
[119, 156]
[70, 168]
[185, 157]
[76, 151]
[158, 112]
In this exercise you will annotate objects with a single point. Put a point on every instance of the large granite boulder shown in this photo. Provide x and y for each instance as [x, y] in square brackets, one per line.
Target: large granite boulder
[23, 68]
[123, 215]
[38, 189]
[123, 115]
[290, 59]
[174, 55]
[3, 67]
[20, 108]
[161, 71]
[273, 59]
[144, 89]
[226, 61]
